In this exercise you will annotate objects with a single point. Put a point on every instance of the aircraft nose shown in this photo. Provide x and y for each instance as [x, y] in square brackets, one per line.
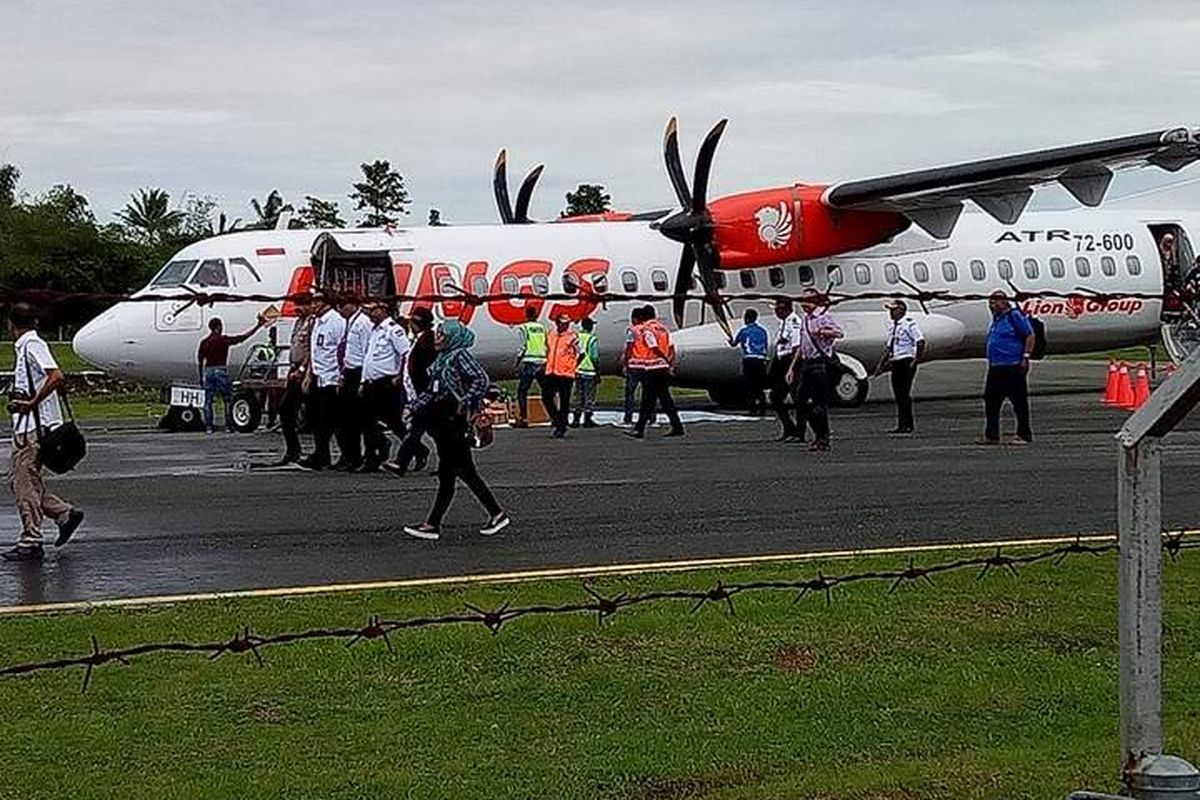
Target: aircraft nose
[99, 341]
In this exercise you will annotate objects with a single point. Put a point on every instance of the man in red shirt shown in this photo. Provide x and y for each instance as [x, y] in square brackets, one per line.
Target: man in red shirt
[213, 359]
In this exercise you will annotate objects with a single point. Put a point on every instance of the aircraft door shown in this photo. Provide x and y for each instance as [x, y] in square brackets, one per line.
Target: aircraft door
[1181, 289]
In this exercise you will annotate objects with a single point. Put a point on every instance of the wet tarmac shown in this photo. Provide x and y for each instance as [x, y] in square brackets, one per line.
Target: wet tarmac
[180, 513]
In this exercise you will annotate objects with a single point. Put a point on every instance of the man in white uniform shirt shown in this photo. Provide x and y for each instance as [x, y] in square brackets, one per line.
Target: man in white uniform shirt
[383, 385]
[350, 411]
[36, 380]
[786, 341]
[321, 382]
[904, 350]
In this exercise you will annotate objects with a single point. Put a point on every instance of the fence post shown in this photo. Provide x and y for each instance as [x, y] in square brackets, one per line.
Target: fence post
[1139, 536]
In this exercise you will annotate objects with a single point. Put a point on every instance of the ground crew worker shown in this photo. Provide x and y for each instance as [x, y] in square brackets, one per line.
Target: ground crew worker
[213, 358]
[531, 362]
[653, 354]
[563, 354]
[752, 338]
[587, 381]
[382, 385]
[321, 381]
[813, 367]
[349, 410]
[293, 393]
[35, 410]
[904, 350]
[633, 375]
[786, 341]
[1010, 343]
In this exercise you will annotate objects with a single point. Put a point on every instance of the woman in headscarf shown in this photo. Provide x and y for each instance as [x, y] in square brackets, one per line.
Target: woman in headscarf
[455, 394]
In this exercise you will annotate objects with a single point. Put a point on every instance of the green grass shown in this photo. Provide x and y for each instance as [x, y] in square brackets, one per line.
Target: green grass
[1004, 688]
[62, 352]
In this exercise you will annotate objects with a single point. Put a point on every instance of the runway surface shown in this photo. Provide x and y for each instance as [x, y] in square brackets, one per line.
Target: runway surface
[178, 513]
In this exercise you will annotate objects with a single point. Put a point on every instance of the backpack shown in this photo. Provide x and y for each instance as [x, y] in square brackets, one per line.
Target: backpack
[1039, 335]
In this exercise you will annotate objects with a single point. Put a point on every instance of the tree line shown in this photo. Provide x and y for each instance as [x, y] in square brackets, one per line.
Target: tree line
[53, 241]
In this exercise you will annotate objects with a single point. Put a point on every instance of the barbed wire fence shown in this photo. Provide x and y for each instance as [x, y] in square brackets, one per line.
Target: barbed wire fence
[245, 641]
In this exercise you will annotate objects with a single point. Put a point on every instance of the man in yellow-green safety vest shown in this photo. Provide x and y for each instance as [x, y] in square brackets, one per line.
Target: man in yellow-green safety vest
[588, 379]
[531, 362]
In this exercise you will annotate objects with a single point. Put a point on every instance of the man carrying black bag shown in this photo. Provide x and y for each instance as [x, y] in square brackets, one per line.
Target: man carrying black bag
[36, 413]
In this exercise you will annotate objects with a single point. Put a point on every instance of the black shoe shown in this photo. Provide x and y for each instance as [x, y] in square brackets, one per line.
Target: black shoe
[575, 422]
[634, 434]
[67, 527]
[366, 468]
[420, 462]
[288, 458]
[786, 436]
[899, 431]
[342, 465]
[24, 554]
[588, 422]
[673, 432]
[559, 433]
[311, 463]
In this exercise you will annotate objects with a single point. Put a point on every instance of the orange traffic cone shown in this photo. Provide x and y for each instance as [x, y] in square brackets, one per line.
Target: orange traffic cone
[1141, 390]
[1124, 388]
[1111, 387]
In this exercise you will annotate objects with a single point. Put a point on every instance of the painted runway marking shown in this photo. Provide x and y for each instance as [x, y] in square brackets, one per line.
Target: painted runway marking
[683, 565]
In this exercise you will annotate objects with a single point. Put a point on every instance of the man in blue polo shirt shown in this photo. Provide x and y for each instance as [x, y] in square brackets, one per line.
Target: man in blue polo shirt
[752, 338]
[1010, 342]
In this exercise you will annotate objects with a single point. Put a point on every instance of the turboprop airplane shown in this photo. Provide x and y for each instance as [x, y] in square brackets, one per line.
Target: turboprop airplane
[1124, 281]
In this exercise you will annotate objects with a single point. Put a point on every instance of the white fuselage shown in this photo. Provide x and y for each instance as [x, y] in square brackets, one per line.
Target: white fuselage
[156, 341]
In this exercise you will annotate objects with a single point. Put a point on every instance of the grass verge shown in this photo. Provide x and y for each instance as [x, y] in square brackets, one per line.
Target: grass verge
[1005, 687]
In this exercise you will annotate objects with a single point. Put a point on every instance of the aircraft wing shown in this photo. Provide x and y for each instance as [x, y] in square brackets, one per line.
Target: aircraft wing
[933, 198]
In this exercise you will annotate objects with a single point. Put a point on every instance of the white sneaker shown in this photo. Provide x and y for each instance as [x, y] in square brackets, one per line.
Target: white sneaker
[423, 531]
[495, 524]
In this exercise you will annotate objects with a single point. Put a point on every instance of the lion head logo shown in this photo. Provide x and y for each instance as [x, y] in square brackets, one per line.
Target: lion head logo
[774, 225]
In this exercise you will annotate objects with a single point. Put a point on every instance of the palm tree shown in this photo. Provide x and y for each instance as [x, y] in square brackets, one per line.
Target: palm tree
[269, 210]
[148, 213]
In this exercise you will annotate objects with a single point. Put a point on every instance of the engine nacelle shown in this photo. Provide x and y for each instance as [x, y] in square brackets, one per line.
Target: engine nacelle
[778, 226]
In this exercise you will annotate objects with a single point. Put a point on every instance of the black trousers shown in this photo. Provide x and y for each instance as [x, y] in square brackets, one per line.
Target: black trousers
[383, 403]
[656, 390]
[350, 417]
[455, 462]
[812, 398]
[556, 397]
[322, 411]
[1006, 383]
[289, 412]
[754, 373]
[903, 372]
[781, 393]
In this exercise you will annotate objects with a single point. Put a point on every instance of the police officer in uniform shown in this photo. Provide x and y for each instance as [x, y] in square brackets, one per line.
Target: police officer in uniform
[786, 342]
[321, 382]
[293, 393]
[382, 385]
[532, 363]
[349, 410]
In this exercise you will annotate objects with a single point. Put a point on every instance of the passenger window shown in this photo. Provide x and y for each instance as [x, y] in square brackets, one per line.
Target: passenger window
[891, 272]
[749, 281]
[862, 274]
[509, 285]
[1134, 265]
[629, 281]
[1057, 268]
[978, 270]
[1004, 267]
[775, 277]
[1031, 268]
[243, 273]
[1083, 267]
[600, 284]
[805, 274]
[570, 283]
[541, 284]
[659, 278]
[446, 285]
[1108, 265]
[479, 286]
[211, 273]
[950, 271]
[921, 271]
[721, 280]
[835, 275]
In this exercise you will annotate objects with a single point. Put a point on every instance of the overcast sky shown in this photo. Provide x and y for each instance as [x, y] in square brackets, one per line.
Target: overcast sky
[233, 99]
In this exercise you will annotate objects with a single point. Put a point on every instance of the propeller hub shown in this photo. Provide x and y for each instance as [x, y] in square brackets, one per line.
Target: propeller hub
[686, 227]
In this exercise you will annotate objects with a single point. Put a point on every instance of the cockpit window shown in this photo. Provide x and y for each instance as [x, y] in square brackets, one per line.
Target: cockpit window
[211, 273]
[174, 274]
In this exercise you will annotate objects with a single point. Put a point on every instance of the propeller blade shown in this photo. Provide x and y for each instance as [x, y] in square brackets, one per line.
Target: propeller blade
[704, 166]
[683, 281]
[708, 262]
[500, 188]
[525, 194]
[674, 165]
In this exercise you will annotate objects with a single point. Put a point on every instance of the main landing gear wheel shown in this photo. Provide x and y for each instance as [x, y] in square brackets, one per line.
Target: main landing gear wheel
[849, 391]
[246, 412]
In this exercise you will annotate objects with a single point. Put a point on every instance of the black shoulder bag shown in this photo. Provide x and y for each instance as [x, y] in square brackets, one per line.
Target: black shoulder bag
[61, 448]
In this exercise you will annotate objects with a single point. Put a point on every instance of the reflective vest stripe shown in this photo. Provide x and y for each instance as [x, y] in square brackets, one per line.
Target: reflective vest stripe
[587, 366]
[534, 334]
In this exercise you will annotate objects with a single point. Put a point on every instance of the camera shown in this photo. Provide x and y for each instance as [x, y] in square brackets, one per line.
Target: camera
[15, 396]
